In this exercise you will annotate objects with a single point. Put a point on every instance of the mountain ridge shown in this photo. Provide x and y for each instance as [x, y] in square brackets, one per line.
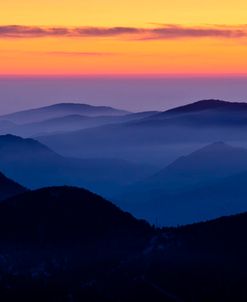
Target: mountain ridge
[203, 184]
[44, 167]
[58, 110]
[63, 211]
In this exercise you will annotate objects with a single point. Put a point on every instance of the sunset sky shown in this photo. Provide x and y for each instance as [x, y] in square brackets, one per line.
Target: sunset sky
[105, 37]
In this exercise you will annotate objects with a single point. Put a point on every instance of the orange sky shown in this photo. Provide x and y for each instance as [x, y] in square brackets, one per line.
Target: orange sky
[123, 37]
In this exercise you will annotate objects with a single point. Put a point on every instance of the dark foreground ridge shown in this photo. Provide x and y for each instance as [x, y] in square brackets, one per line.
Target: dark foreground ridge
[61, 215]
[68, 244]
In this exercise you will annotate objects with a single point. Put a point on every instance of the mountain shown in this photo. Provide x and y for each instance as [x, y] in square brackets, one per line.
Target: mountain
[202, 262]
[210, 104]
[64, 243]
[206, 184]
[160, 138]
[62, 237]
[201, 113]
[9, 188]
[33, 165]
[60, 110]
[71, 123]
[58, 215]
[205, 165]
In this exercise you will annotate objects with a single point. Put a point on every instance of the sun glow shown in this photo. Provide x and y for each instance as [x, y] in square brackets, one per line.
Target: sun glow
[124, 37]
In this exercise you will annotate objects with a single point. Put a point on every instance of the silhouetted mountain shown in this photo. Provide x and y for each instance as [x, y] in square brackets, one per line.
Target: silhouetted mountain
[65, 236]
[202, 262]
[63, 243]
[206, 184]
[9, 188]
[61, 215]
[60, 110]
[34, 165]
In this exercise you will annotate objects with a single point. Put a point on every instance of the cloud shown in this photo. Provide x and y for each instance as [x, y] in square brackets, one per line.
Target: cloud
[159, 32]
[62, 53]
[79, 53]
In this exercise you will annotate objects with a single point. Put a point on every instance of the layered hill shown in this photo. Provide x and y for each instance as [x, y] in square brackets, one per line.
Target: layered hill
[34, 165]
[205, 184]
[201, 114]
[205, 165]
[67, 123]
[159, 138]
[60, 110]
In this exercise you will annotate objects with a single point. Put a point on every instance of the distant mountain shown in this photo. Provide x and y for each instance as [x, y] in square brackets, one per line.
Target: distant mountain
[206, 184]
[209, 163]
[9, 188]
[33, 165]
[210, 104]
[71, 123]
[201, 113]
[159, 138]
[60, 110]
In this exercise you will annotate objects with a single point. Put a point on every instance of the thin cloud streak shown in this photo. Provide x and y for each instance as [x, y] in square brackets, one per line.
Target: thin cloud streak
[162, 32]
[79, 54]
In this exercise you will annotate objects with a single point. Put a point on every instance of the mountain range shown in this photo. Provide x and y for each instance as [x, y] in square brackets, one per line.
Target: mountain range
[201, 113]
[186, 166]
[160, 137]
[67, 123]
[60, 110]
[123, 159]
[80, 130]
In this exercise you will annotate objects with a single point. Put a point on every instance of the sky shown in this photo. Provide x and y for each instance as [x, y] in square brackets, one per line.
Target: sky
[133, 94]
[130, 38]
[136, 55]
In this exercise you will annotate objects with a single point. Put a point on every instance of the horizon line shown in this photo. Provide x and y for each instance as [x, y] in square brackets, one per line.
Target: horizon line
[131, 75]
[81, 102]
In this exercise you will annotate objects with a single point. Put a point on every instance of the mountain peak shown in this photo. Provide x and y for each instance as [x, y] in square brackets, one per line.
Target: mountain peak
[219, 145]
[66, 105]
[200, 105]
